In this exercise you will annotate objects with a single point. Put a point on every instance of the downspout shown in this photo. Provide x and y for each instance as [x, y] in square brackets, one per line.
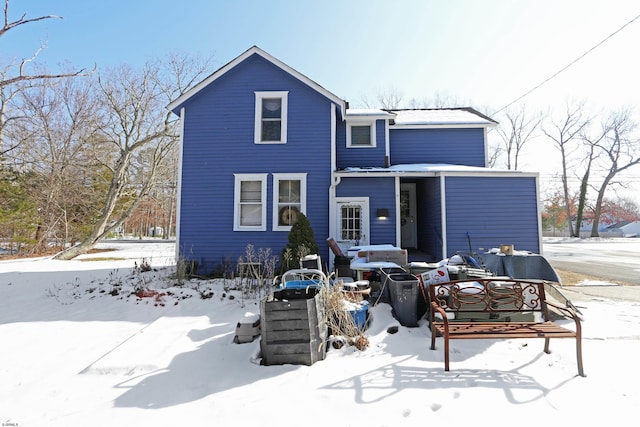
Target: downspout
[443, 213]
[539, 216]
[398, 219]
[387, 150]
[179, 184]
[334, 180]
[486, 147]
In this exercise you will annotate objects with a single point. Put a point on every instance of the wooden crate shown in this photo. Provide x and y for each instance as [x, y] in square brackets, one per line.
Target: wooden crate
[292, 328]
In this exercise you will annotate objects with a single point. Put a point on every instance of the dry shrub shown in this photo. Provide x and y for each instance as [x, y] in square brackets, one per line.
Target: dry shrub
[339, 319]
[360, 342]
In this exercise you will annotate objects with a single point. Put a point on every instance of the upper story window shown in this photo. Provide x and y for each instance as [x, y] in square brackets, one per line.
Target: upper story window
[271, 118]
[250, 196]
[361, 134]
[289, 199]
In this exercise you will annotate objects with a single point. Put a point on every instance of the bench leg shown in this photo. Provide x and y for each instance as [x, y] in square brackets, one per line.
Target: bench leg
[433, 338]
[446, 350]
[579, 355]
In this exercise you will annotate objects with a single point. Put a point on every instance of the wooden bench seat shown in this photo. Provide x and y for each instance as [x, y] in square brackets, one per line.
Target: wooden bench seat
[497, 308]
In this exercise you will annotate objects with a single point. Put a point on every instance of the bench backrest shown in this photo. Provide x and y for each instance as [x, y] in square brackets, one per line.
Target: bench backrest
[494, 297]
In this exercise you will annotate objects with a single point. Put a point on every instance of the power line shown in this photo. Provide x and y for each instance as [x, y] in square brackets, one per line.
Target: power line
[570, 64]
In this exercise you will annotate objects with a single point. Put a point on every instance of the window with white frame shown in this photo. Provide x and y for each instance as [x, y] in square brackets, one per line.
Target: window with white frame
[289, 199]
[351, 222]
[250, 197]
[361, 134]
[271, 118]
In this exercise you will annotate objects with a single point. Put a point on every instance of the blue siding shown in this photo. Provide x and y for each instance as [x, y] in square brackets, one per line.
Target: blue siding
[451, 146]
[218, 142]
[360, 157]
[381, 193]
[493, 211]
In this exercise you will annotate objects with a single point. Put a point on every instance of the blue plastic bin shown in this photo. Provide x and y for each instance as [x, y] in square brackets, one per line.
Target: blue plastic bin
[300, 284]
[360, 315]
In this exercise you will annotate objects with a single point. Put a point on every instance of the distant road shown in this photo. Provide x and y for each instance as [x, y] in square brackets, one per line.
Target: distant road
[616, 260]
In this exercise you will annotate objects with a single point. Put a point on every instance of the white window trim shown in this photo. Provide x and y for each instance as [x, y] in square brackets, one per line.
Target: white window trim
[257, 133]
[362, 122]
[239, 177]
[277, 177]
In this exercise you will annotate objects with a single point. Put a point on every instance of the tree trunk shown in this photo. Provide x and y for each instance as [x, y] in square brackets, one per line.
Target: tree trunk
[565, 191]
[100, 229]
[598, 210]
[582, 201]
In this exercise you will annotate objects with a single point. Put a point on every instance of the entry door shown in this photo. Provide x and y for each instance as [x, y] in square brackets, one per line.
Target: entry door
[352, 222]
[408, 220]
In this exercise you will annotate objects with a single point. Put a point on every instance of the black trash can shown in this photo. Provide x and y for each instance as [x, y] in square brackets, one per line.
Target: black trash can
[342, 266]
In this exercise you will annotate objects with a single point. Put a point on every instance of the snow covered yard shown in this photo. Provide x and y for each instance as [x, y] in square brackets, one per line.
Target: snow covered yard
[78, 349]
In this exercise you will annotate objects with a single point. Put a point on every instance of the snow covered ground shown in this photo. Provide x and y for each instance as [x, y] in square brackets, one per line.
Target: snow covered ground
[77, 349]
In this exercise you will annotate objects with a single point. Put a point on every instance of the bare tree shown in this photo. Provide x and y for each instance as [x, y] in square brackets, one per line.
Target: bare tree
[564, 132]
[16, 73]
[439, 100]
[621, 150]
[60, 121]
[136, 136]
[9, 25]
[387, 99]
[590, 156]
[518, 129]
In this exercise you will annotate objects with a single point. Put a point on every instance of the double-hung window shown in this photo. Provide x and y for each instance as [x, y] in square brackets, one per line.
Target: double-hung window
[250, 197]
[361, 134]
[271, 118]
[289, 199]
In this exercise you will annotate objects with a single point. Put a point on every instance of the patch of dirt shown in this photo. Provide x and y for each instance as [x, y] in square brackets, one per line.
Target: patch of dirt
[98, 251]
[52, 251]
[570, 278]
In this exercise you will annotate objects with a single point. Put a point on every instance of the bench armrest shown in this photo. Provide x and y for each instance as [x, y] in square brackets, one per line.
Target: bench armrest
[566, 310]
[436, 308]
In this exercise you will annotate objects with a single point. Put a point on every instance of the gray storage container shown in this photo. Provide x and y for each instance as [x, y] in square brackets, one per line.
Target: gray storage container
[403, 290]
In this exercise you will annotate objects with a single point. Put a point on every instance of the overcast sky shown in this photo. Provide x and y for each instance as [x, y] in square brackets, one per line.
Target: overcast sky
[486, 54]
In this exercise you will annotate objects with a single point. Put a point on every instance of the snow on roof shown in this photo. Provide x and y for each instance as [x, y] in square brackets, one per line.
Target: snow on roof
[368, 112]
[446, 116]
[431, 168]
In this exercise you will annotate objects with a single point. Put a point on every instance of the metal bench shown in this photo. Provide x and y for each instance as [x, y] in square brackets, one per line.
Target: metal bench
[497, 308]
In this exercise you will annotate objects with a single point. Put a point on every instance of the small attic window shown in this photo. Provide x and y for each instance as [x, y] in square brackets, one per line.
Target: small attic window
[361, 134]
[271, 118]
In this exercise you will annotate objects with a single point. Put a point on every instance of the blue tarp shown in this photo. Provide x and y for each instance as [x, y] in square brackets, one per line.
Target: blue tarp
[525, 266]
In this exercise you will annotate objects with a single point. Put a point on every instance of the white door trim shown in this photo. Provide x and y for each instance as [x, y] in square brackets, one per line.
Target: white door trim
[365, 220]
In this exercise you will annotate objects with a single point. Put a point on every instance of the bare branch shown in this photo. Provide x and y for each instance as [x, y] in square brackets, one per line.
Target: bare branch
[16, 79]
[8, 25]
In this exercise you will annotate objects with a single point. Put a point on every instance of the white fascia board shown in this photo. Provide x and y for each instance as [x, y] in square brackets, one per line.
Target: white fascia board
[369, 174]
[256, 50]
[368, 117]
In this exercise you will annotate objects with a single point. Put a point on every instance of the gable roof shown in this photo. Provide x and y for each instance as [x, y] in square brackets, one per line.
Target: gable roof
[434, 117]
[254, 50]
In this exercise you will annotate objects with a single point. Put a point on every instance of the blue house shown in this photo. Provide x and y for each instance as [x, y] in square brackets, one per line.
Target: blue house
[262, 142]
